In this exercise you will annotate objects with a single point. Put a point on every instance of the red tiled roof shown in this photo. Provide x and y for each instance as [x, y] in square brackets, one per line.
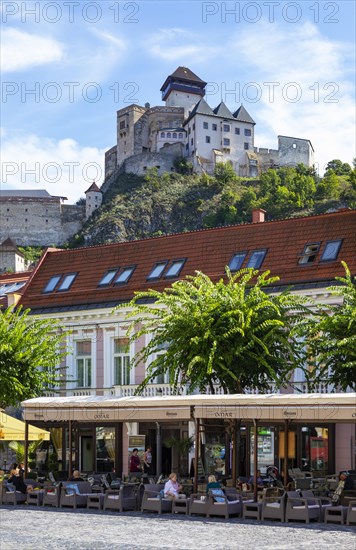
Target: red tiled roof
[10, 279]
[208, 251]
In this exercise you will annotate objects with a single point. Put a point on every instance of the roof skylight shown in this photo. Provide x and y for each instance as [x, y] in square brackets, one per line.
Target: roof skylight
[67, 281]
[108, 277]
[237, 260]
[52, 283]
[125, 275]
[331, 251]
[157, 270]
[257, 258]
[175, 268]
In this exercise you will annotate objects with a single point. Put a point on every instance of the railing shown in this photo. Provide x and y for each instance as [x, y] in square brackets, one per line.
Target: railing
[322, 387]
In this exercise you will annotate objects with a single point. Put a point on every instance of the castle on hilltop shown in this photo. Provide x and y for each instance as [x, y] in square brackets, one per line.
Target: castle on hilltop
[188, 127]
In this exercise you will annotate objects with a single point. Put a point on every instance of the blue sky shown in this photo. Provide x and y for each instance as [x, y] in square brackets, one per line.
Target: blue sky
[291, 64]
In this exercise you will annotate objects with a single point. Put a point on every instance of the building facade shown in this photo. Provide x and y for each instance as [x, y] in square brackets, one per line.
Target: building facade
[81, 288]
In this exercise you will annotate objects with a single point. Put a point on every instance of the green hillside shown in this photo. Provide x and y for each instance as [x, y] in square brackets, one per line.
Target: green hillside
[137, 207]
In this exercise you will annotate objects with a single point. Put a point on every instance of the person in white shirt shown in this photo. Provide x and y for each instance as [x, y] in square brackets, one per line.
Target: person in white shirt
[172, 488]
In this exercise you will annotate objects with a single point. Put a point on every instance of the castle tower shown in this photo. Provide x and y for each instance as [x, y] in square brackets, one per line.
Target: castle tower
[183, 88]
[93, 199]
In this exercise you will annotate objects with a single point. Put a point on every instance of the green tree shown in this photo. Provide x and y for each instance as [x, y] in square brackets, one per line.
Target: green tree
[338, 167]
[332, 338]
[30, 352]
[224, 173]
[230, 333]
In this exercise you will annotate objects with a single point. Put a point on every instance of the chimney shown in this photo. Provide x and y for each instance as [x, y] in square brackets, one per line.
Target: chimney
[258, 215]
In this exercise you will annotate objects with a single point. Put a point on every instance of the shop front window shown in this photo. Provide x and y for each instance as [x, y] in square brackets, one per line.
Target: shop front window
[265, 448]
[105, 449]
[315, 449]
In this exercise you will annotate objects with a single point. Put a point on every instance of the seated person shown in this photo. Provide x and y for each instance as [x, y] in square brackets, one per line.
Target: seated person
[16, 478]
[345, 484]
[172, 488]
[212, 484]
[260, 484]
[76, 476]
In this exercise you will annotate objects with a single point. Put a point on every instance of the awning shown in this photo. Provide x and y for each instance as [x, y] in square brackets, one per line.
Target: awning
[12, 429]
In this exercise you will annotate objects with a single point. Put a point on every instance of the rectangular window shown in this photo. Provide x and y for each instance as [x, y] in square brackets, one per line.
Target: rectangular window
[226, 141]
[214, 127]
[226, 127]
[108, 277]
[157, 270]
[237, 260]
[331, 251]
[175, 268]
[162, 378]
[207, 139]
[191, 141]
[237, 131]
[83, 363]
[125, 275]
[246, 146]
[309, 253]
[122, 124]
[121, 362]
[52, 283]
[193, 126]
[247, 132]
[67, 281]
[257, 258]
[205, 125]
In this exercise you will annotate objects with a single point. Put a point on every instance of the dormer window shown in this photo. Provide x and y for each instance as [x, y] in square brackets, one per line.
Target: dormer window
[67, 281]
[237, 260]
[125, 275]
[157, 270]
[257, 258]
[175, 268]
[331, 251]
[309, 253]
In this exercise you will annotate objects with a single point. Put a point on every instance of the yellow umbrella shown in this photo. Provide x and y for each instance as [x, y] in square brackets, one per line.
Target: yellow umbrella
[12, 429]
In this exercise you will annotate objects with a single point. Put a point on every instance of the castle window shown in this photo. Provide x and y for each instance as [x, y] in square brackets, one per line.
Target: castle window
[46, 221]
[175, 135]
[189, 130]
[163, 134]
[125, 275]
[52, 283]
[180, 135]
[26, 210]
[331, 251]
[157, 270]
[194, 126]
[108, 277]
[8, 209]
[122, 124]
[175, 268]
[237, 131]
[207, 139]
[257, 258]
[205, 125]
[237, 260]
[169, 134]
[186, 146]
[294, 145]
[247, 132]
[226, 127]
[25, 219]
[67, 281]
[191, 141]
[246, 146]
[225, 150]
[309, 253]
[226, 141]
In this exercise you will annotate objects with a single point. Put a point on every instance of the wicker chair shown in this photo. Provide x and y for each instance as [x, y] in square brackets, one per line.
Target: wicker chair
[52, 495]
[197, 505]
[69, 496]
[121, 499]
[300, 509]
[9, 495]
[225, 507]
[324, 502]
[273, 507]
[351, 513]
[154, 501]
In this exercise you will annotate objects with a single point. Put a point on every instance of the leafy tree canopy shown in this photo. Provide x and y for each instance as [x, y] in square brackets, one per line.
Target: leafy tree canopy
[30, 352]
[338, 167]
[230, 333]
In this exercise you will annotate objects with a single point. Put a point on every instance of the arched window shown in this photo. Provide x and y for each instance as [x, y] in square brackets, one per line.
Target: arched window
[175, 135]
[180, 135]
[169, 134]
[163, 134]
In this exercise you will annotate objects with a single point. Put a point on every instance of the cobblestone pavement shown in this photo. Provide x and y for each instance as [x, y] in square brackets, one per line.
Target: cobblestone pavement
[24, 528]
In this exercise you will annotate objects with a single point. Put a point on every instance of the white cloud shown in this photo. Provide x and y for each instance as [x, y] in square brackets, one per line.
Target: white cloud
[61, 167]
[324, 112]
[176, 44]
[21, 50]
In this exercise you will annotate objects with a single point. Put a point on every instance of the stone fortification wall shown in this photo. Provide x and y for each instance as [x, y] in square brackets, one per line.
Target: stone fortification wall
[110, 161]
[139, 164]
[39, 222]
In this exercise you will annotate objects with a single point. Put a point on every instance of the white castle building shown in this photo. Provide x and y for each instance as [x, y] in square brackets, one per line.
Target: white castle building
[188, 127]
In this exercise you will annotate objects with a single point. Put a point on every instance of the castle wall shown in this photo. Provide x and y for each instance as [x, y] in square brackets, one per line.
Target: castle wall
[110, 161]
[139, 164]
[39, 222]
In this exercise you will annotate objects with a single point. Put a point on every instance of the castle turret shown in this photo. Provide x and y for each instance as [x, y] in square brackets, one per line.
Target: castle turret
[183, 88]
[93, 199]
